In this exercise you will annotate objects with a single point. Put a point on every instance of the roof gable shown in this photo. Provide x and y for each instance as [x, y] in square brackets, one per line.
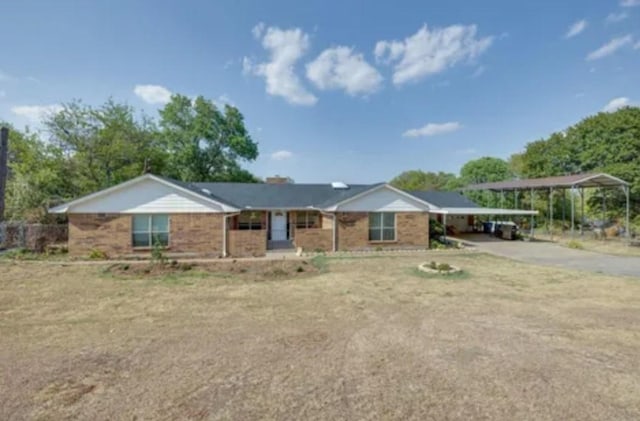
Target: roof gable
[382, 198]
[145, 194]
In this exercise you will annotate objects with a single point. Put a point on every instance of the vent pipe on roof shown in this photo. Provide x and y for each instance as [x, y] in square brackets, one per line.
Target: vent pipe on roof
[339, 185]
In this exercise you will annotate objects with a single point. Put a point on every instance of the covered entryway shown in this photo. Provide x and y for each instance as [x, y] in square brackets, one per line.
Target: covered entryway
[279, 238]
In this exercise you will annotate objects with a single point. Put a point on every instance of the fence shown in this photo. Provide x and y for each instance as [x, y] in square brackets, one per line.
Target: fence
[35, 237]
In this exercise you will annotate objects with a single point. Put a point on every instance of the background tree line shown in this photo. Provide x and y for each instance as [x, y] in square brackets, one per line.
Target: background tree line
[605, 142]
[85, 148]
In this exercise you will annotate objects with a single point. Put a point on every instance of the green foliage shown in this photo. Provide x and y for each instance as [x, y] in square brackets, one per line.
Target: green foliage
[157, 253]
[203, 143]
[96, 254]
[420, 180]
[485, 170]
[575, 244]
[444, 267]
[89, 148]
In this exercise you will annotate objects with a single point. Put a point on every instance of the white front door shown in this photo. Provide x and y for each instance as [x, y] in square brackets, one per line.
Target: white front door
[278, 226]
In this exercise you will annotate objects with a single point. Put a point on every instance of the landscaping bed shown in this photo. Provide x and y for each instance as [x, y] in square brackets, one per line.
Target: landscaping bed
[256, 270]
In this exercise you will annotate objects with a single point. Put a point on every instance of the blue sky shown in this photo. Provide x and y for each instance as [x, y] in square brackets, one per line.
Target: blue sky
[336, 90]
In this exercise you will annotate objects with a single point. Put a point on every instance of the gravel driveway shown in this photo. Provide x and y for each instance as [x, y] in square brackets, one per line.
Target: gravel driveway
[551, 254]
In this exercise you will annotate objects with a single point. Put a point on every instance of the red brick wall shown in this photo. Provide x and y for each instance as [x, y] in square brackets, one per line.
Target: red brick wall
[198, 233]
[412, 230]
[247, 243]
[313, 239]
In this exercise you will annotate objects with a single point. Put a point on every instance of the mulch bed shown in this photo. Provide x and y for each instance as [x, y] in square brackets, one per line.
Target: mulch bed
[247, 270]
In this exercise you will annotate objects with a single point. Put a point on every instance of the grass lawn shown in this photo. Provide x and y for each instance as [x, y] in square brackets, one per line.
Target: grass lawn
[361, 338]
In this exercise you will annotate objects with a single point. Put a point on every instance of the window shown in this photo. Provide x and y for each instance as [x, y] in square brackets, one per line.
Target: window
[308, 219]
[382, 226]
[150, 229]
[250, 221]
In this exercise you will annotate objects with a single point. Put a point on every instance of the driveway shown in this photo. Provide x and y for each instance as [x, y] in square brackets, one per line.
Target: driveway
[551, 254]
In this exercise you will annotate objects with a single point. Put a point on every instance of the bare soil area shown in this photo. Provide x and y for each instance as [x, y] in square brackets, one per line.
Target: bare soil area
[355, 338]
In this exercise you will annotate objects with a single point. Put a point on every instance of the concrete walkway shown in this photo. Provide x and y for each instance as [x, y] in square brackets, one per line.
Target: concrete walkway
[551, 254]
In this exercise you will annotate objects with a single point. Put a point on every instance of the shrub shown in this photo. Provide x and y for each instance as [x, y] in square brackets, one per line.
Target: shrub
[433, 265]
[96, 254]
[300, 269]
[157, 254]
[575, 244]
[444, 267]
[436, 245]
[379, 248]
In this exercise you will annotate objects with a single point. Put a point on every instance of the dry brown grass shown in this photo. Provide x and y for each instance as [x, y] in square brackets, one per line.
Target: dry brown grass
[367, 339]
[614, 245]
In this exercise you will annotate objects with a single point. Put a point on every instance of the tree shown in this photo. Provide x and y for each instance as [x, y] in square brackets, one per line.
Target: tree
[420, 180]
[37, 176]
[485, 170]
[204, 144]
[104, 145]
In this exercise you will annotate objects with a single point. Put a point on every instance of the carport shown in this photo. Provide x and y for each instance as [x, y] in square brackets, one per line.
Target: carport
[575, 183]
[481, 212]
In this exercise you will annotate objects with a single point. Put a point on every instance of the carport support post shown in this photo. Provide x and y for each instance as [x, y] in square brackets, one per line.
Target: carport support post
[604, 209]
[581, 211]
[502, 199]
[573, 210]
[532, 206]
[627, 226]
[551, 213]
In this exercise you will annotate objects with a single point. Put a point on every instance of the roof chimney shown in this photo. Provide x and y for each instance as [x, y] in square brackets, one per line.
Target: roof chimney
[276, 179]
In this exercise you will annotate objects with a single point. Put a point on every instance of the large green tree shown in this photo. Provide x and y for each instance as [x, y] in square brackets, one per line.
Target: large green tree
[421, 180]
[203, 143]
[485, 170]
[105, 145]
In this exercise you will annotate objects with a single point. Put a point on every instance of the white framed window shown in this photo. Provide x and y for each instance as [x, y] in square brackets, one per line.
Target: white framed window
[382, 226]
[308, 219]
[147, 230]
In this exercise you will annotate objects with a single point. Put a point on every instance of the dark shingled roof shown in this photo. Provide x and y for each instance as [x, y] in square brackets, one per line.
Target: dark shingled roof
[444, 199]
[275, 196]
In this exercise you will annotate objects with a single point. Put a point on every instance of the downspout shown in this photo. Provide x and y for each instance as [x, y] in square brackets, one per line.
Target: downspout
[224, 232]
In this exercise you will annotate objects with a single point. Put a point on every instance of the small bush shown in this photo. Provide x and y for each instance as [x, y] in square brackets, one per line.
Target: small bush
[379, 248]
[157, 253]
[444, 267]
[185, 267]
[125, 267]
[96, 254]
[436, 245]
[300, 269]
[575, 244]
[433, 265]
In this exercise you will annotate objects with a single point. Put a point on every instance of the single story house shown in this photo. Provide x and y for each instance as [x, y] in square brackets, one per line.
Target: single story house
[245, 219]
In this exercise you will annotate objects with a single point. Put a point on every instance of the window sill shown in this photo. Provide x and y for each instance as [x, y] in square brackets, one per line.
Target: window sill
[382, 241]
[146, 248]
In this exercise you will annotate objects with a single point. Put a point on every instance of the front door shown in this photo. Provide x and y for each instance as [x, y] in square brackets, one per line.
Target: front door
[278, 226]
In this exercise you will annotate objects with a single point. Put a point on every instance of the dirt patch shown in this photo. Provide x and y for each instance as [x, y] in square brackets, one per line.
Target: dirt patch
[256, 270]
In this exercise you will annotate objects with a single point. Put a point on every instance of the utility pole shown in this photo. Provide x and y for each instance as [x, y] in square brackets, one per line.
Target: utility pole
[4, 167]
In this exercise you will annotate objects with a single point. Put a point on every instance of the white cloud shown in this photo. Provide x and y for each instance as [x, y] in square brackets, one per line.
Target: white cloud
[576, 28]
[616, 17]
[630, 3]
[610, 47]
[637, 46]
[285, 48]
[258, 30]
[616, 104]
[341, 68]
[428, 52]
[153, 94]
[36, 113]
[433, 129]
[281, 155]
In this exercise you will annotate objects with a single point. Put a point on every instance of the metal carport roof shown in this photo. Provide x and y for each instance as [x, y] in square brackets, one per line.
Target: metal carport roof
[565, 181]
